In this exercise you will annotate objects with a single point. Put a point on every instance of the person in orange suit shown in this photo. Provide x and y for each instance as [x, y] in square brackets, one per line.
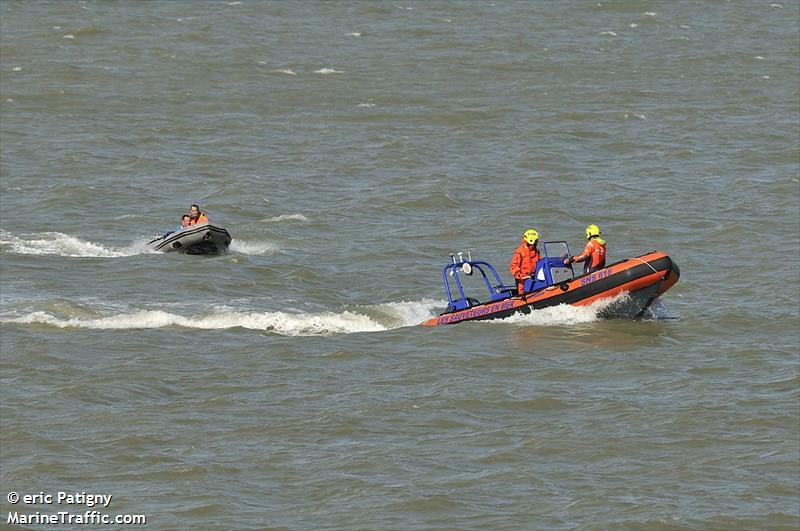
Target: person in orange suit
[594, 254]
[523, 262]
[195, 216]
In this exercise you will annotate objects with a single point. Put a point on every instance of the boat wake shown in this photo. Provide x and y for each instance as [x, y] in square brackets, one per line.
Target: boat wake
[565, 314]
[351, 320]
[59, 244]
[360, 319]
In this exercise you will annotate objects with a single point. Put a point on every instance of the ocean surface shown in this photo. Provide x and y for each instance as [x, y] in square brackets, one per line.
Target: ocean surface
[349, 147]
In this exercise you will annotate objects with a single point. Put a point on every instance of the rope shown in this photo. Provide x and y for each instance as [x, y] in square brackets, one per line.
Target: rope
[646, 263]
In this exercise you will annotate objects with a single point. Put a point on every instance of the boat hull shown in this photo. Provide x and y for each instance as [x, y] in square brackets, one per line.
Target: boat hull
[196, 239]
[643, 277]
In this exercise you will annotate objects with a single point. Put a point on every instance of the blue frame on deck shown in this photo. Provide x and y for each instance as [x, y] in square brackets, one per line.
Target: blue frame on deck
[497, 291]
[542, 278]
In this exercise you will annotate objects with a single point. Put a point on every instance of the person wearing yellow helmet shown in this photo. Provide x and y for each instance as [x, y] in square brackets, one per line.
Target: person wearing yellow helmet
[594, 254]
[523, 262]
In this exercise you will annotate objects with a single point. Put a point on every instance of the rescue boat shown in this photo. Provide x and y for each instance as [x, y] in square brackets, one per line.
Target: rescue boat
[202, 238]
[643, 278]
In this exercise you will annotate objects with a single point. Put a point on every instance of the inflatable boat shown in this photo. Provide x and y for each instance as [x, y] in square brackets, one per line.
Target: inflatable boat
[643, 278]
[202, 238]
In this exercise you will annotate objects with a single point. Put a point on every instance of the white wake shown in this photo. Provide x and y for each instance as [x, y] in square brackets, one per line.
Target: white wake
[56, 243]
[361, 319]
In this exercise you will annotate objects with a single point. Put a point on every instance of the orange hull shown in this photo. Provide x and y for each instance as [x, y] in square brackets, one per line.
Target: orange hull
[647, 276]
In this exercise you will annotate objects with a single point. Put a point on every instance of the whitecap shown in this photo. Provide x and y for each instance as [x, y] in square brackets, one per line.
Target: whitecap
[634, 25]
[565, 314]
[56, 243]
[608, 33]
[373, 318]
[70, 36]
[17, 68]
[405, 313]
[764, 77]
[368, 105]
[252, 248]
[776, 5]
[649, 14]
[285, 217]
[328, 71]
[283, 71]
[760, 58]
[283, 323]
[354, 34]
[234, 3]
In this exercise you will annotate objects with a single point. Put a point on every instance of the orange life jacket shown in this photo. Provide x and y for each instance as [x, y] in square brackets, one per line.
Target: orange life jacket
[201, 218]
[594, 253]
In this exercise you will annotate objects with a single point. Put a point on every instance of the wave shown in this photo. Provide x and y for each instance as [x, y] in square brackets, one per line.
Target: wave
[563, 314]
[287, 71]
[369, 319]
[621, 305]
[250, 247]
[357, 319]
[285, 217]
[57, 243]
[61, 244]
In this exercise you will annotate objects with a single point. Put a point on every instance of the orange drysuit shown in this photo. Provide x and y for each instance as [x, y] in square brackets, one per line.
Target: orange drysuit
[594, 254]
[523, 264]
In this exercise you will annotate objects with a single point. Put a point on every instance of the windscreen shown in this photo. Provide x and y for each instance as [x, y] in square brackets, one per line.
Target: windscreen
[557, 251]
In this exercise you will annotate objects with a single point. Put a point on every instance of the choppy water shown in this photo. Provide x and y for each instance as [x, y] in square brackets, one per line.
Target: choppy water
[349, 147]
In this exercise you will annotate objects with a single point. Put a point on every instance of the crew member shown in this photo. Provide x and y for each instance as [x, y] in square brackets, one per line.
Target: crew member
[523, 263]
[594, 254]
[184, 222]
[195, 216]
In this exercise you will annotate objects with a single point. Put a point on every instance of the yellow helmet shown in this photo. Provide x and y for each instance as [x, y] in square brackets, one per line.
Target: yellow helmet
[592, 230]
[530, 236]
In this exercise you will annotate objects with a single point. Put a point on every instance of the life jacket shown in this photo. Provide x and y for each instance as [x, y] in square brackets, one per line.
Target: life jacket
[594, 254]
[201, 218]
[523, 263]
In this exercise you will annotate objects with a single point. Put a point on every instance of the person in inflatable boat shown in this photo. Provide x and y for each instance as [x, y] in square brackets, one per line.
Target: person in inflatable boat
[523, 262]
[594, 254]
[195, 216]
[184, 222]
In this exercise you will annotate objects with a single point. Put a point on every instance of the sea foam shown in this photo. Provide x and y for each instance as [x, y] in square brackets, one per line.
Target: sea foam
[65, 245]
[283, 323]
[358, 319]
[285, 217]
